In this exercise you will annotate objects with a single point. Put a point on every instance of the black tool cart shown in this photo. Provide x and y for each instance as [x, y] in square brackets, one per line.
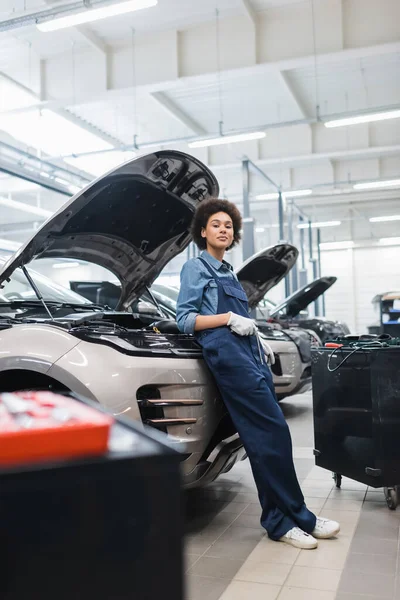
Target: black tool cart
[356, 404]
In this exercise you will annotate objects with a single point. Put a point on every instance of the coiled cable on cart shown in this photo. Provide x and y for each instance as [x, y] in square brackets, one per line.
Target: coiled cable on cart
[356, 348]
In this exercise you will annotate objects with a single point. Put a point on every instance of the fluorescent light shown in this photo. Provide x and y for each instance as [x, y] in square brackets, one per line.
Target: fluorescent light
[320, 224]
[66, 265]
[297, 193]
[95, 14]
[390, 240]
[98, 164]
[336, 245]
[9, 245]
[51, 133]
[260, 229]
[383, 219]
[273, 196]
[368, 118]
[28, 208]
[227, 139]
[373, 185]
[288, 194]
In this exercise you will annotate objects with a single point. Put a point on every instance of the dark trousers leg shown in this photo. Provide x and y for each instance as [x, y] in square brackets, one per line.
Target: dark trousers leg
[266, 437]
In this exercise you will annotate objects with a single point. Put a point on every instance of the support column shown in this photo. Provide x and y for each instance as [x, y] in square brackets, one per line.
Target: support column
[282, 235]
[303, 270]
[248, 221]
[320, 269]
[314, 263]
[294, 272]
[281, 217]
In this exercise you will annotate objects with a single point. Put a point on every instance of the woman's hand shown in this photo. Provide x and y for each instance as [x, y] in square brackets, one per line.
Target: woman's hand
[241, 325]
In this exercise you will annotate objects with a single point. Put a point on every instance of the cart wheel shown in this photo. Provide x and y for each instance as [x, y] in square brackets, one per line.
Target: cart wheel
[391, 497]
[337, 479]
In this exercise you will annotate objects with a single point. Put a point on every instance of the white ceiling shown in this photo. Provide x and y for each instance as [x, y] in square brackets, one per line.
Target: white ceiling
[165, 84]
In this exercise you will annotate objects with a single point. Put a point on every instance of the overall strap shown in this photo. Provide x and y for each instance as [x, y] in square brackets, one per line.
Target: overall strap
[209, 269]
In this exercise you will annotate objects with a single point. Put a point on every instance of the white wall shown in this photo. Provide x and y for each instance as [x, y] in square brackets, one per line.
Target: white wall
[362, 273]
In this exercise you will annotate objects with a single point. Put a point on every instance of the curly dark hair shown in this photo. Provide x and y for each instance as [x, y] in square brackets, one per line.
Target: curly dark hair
[210, 207]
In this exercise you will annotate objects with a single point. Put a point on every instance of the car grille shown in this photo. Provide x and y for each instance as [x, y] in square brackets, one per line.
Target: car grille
[277, 367]
[152, 406]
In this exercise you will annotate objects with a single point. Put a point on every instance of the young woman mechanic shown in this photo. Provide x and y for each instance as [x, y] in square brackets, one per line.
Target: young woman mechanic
[213, 305]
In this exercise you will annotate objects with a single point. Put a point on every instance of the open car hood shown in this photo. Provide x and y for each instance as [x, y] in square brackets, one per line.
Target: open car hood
[262, 271]
[300, 299]
[131, 221]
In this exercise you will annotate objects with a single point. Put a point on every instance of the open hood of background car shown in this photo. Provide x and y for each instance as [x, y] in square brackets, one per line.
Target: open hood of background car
[299, 300]
[262, 271]
[131, 221]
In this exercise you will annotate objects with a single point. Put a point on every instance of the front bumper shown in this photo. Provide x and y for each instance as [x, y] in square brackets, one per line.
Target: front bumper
[221, 459]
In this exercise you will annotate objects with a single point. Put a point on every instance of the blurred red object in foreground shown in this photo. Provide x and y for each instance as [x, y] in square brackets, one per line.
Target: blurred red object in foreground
[37, 426]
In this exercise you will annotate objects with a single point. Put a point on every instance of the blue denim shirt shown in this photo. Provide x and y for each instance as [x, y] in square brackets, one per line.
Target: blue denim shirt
[198, 294]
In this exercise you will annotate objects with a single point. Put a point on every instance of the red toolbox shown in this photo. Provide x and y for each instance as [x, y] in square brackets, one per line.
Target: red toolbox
[42, 425]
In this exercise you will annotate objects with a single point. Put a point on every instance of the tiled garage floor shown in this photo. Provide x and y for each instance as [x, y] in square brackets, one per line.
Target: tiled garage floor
[228, 555]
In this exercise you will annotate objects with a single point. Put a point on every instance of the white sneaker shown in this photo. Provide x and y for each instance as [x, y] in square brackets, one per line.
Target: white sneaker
[325, 528]
[299, 539]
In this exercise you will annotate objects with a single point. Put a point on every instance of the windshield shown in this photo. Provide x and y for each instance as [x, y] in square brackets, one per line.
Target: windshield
[170, 292]
[167, 298]
[18, 288]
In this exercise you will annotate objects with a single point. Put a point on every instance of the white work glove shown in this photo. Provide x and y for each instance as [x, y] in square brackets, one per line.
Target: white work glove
[241, 325]
[268, 352]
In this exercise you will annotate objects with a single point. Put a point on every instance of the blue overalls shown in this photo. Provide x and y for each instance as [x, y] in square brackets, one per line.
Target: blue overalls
[246, 386]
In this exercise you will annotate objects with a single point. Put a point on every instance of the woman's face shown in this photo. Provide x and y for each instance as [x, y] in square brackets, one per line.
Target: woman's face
[219, 231]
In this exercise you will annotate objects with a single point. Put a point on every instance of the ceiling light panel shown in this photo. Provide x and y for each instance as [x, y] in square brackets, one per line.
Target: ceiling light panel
[376, 185]
[384, 219]
[288, 194]
[47, 131]
[389, 241]
[95, 14]
[319, 224]
[367, 118]
[227, 139]
[336, 245]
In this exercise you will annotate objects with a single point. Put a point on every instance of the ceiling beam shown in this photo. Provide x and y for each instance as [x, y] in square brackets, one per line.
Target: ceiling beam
[89, 127]
[95, 42]
[92, 39]
[289, 88]
[306, 159]
[88, 36]
[286, 64]
[250, 12]
[172, 109]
